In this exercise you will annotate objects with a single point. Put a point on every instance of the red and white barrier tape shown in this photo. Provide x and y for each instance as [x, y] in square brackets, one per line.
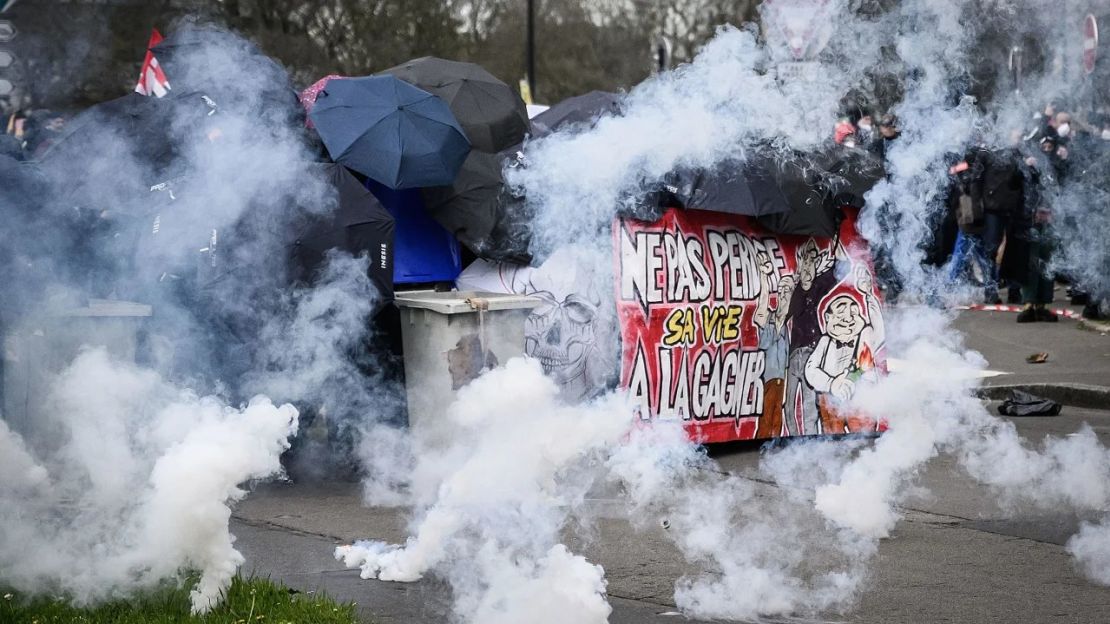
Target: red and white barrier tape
[989, 307]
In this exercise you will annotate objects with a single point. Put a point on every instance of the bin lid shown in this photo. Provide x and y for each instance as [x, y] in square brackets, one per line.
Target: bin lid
[110, 308]
[463, 302]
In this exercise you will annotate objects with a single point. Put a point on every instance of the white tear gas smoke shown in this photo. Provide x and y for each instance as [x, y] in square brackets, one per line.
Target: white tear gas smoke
[121, 443]
[1083, 227]
[491, 504]
[762, 550]
[470, 529]
[313, 350]
[132, 484]
[699, 115]
[1091, 548]
[26, 474]
[932, 410]
[804, 547]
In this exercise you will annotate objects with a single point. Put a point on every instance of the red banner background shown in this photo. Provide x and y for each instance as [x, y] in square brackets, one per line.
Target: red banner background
[743, 334]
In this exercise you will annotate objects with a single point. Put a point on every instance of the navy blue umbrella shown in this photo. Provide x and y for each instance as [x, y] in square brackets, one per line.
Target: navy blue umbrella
[390, 131]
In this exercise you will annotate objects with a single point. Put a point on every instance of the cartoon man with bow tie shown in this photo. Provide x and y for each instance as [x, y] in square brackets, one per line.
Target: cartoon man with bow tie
[846, 347]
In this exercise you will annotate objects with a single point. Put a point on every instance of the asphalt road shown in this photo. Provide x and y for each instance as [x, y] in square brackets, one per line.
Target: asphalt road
[956, 556]
[1076, 353]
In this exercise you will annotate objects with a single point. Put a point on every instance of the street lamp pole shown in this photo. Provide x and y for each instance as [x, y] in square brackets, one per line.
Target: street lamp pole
[531, 51]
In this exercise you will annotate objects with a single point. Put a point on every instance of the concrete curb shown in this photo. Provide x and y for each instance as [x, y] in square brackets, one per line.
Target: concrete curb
[1102, 327]
[1076, 395]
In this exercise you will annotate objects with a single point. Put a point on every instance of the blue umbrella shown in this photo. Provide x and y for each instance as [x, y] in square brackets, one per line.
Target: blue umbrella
[390, 131]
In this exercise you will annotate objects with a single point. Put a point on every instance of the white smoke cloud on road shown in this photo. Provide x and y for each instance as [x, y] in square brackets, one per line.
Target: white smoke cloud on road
[122, 461]
[133, 485]
[492, 501]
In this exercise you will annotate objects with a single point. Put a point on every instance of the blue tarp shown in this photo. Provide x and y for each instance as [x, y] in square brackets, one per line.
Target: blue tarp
[422, 250]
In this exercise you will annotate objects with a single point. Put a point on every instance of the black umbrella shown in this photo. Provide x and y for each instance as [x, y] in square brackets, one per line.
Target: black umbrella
[737, 188]
[481, 210]
[152, 131]
[734, 187]
[126, 140]
[468, 207]
[582, 110]
[390, 131]
[510, 240]
[358, 224]
[812, 208]
[850, 173]
[132, 119]
[492, 114]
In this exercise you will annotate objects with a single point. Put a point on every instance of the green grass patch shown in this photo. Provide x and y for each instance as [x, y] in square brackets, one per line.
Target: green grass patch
[248, 601]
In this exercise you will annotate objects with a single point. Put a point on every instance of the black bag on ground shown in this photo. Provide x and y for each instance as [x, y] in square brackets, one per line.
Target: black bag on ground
[1022, 403]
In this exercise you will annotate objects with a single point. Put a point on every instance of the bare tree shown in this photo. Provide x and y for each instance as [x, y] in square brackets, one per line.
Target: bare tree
[91, 51]
[688, 24]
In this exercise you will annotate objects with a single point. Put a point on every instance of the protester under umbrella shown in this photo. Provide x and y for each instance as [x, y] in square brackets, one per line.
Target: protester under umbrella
[358, 225]
[583, 110]
[390, 131]
[492, 114]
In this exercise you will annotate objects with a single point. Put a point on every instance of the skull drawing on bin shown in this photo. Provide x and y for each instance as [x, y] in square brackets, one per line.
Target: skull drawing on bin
[572, 332]
[560, 333]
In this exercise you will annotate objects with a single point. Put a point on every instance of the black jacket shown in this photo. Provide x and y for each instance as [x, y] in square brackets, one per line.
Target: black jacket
[999, 182]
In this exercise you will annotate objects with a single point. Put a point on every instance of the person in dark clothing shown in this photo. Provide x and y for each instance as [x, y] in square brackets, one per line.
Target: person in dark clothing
[944, 229]
[1000, 188]
[886, 216]
[1043, 124]
[888, 133]
[1050, 168]
[968, 205]
[11, 147]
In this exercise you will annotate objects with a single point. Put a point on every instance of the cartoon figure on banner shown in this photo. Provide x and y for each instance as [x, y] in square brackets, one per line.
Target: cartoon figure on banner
[743, 334]
[774, 339]
[845, 351]
[814, 278]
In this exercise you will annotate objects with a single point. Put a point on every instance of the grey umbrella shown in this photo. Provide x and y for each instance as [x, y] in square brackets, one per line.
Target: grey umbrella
[490, 112]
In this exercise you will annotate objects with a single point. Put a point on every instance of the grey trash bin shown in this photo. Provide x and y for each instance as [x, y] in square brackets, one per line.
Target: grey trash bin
[43, 345]
[449, 339]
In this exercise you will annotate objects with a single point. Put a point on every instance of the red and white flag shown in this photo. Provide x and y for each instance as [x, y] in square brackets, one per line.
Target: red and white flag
[152, 80]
